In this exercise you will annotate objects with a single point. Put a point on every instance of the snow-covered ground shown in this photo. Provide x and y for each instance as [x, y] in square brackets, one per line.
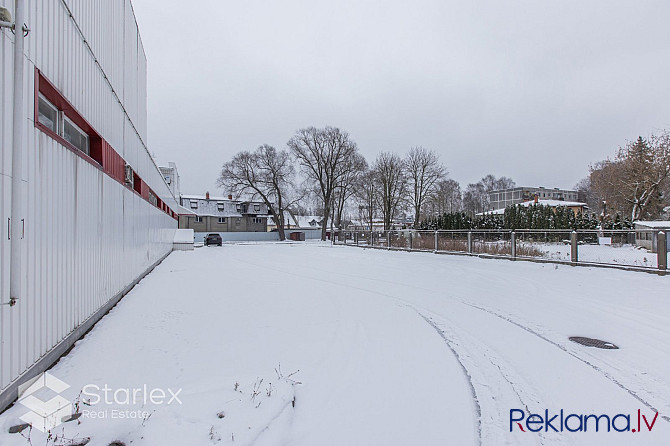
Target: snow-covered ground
[308, 344]
[628, 255]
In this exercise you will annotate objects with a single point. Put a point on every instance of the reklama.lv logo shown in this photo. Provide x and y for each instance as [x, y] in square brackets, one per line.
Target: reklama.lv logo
[573, 422]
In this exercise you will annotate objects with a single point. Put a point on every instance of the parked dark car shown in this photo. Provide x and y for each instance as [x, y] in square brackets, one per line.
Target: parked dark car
[213, 239]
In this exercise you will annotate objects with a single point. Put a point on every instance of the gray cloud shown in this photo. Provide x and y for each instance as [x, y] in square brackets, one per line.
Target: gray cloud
[534, 90]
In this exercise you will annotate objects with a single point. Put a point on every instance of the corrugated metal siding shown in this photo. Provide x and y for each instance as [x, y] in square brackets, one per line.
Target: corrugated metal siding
[7, 329]
[87, 236]
[114, 164]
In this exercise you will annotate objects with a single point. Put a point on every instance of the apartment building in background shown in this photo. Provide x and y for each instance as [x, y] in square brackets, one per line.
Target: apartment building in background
[500, 199]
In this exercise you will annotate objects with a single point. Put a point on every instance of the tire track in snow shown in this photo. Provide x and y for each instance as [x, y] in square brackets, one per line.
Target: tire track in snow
[468, 377]
[259, 438]
[403, 303]
[482, 353]
[574, 355]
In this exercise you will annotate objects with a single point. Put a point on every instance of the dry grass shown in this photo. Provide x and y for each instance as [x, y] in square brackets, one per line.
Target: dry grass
[501, 248]
[525, 250]
[455, 242]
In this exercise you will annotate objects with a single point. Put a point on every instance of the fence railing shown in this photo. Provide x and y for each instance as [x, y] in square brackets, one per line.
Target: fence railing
[638, 249]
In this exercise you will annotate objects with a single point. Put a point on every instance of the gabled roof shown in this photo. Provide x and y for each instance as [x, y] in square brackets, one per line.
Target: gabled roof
[654, 223]
[288, 219]
[308, 221]
[220, 207]
[203, 197]
[181, 210]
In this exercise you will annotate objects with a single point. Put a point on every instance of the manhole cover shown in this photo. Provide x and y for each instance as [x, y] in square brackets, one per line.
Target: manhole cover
[590, 342]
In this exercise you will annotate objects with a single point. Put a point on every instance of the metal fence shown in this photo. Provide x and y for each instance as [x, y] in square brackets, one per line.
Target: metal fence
[637, 249]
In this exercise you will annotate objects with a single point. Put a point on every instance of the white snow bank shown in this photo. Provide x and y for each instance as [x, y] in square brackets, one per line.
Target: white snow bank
[183, 236]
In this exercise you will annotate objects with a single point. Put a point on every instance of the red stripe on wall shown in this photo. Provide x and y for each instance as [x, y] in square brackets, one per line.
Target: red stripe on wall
[100, 151]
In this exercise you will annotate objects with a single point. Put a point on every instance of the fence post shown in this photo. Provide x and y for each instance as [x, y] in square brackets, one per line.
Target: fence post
[573, 247]
[388, 239]
[437, 246]
[513, 241]
[356, 238]
[662, 251]
[410, 240]
[469, 242]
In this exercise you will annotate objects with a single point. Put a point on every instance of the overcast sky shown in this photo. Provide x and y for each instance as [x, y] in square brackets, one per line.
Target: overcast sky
[534, 90]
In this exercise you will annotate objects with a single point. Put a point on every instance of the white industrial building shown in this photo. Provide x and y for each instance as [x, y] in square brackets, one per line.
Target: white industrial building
[171, 176]
[85, 211]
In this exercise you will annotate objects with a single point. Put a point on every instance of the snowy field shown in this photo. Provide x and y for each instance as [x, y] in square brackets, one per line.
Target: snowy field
[308, 344]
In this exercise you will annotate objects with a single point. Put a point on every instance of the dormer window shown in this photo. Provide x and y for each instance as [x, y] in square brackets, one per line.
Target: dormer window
[194, 204]
[219, 206]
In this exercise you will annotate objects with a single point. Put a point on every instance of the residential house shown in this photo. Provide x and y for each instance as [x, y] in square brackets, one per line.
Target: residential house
[307, 221]
[218, 214]
[646, 233]
[292, 221]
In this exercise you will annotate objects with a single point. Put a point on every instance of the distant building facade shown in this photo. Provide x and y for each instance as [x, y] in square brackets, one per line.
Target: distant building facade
[217, 214]
[576, 207]
[293, 221]
[500, 199]
[171, 177]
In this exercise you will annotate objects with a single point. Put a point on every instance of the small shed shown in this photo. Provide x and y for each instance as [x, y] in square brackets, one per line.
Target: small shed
[297, 236]
[646, 233]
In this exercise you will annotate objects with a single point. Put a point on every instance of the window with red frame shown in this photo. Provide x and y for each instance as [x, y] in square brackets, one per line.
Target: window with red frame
[59, 119]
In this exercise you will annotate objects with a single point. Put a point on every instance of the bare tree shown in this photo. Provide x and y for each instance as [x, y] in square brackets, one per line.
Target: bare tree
[366, 195]
[323, 154]
[634, 181]
[265, 174]
[491, 183]
[391, 179]
[446, 197]
[476, 195]
[423, 171]
[475, 198]
[587, 195]
[347, 185]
